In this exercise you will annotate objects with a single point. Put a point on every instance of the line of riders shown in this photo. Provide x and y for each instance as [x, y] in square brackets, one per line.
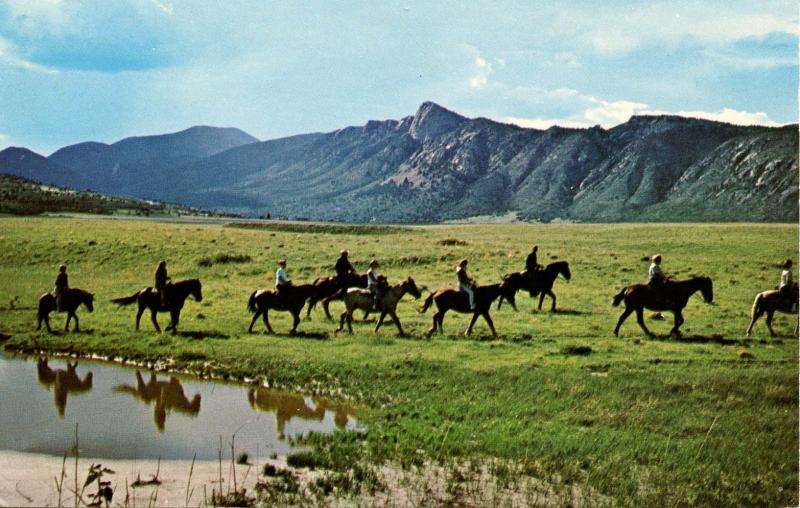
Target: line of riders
[377, 285]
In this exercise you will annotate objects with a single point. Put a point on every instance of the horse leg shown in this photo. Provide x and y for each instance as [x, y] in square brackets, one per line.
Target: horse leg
[77, 328]
[139, 315]
[325, 303]
[541, 299]
[175, 316]
[66, 326]
[432, 329]
[622, 318]
[253, 322]
[757, 314]
[350, 321]
[770, 314]
[489, 322]
[640, 320]
[341, 322]
[154, 320]
[311, 303]
[678, 323]
[295, 322]
[471, 324]
[553, 296]
[397, 322]
[380, 321]
[266, 321]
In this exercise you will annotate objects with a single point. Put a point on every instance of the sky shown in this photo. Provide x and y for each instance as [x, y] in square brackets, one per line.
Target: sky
[102, 70]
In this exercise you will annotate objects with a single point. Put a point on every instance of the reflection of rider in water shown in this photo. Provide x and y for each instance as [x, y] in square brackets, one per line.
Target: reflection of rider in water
[167, 395]
[656, 275]
[64, 382]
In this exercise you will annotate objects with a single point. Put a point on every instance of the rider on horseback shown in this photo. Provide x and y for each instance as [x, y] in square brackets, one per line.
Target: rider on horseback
[788, 288]
[530, 262]
[282, 281]
[656, 275]
[376, 283]
[162, 281]
[344, 270]
[62, 284]
[465, 283]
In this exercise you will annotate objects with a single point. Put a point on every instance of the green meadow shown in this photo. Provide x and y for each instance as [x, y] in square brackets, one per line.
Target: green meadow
[707, 419]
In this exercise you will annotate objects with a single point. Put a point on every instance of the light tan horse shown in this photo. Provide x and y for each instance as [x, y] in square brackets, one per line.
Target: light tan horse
[768, 302]
[362, 299]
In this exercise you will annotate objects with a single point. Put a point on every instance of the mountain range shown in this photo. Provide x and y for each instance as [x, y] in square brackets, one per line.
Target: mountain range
[438, 165]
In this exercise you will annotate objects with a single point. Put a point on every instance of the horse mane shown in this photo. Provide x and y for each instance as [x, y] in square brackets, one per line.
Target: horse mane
[82, 292]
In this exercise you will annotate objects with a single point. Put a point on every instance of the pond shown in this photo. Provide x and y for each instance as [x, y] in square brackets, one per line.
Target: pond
[128, 413]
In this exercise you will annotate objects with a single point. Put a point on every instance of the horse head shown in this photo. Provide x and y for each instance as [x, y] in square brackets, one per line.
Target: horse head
[89, 302]
[411, 288]
[197, 290]
[561, 267]
[508, 291]
[707, 289]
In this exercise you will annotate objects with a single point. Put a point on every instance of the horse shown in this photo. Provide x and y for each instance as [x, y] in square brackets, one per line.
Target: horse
[329, 289]
[70, 301]
[177, 293]
[262, 300]
[768, 302]
[672, 297]
[363, 299]
[447, 299]
[539, 282]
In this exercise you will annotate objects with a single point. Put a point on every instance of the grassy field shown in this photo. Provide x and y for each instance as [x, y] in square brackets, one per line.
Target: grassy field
[709, 419]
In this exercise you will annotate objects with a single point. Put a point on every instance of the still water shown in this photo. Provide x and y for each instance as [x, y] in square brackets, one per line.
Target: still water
[125, 413]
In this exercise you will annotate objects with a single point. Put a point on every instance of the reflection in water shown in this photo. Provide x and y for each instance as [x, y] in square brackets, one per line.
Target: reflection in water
[167, 395]
[287, 405]
[64, 382]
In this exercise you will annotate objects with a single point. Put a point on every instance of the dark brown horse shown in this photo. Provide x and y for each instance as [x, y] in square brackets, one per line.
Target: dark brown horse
[672, 297]
[330, 288]
[770, 301]
[262, 300]
[64, 382]
[539, 282]
[454, 299]
[363, 299]
[70, 301]
[177, 294]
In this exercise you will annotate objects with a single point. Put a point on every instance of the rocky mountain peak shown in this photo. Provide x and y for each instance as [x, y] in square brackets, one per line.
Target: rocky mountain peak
[432, 120]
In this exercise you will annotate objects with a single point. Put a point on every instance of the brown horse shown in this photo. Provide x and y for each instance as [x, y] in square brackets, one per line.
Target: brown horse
[363, 299]
[770, 301]
[539, 282]
[262, 300]
[330, 288]
[70, 301]
[673, 297]
[177, 294]
[447, 299]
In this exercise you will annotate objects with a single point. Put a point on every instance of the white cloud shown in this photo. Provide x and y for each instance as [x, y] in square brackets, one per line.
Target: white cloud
[482, 68]
[8, 56]
[591, 111]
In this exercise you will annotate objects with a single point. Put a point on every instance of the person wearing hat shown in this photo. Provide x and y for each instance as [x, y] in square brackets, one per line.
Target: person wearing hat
[344, 270]
[530, 262]
[656, 275]
[465, 283]
[375, 283]
[62, 284]
[161, 281]
[281, 279]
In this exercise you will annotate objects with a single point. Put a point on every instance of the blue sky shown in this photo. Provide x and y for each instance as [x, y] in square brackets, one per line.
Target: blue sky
[73, 71]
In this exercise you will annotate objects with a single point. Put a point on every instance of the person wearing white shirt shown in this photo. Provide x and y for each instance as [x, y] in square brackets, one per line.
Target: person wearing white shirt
[785, 285]
[656, 275]
[281, 279]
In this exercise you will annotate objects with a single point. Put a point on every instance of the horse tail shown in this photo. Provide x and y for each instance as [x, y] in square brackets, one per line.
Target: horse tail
[126, 300]
[426, 305]
[251, 303]
[618, 297]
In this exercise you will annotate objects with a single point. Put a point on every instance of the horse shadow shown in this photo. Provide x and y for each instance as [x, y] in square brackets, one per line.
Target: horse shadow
[200, 335]
[570, 312]
[703, 339]
[301, 335]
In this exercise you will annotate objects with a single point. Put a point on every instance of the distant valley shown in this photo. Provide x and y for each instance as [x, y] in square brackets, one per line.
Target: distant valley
[437, 165]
